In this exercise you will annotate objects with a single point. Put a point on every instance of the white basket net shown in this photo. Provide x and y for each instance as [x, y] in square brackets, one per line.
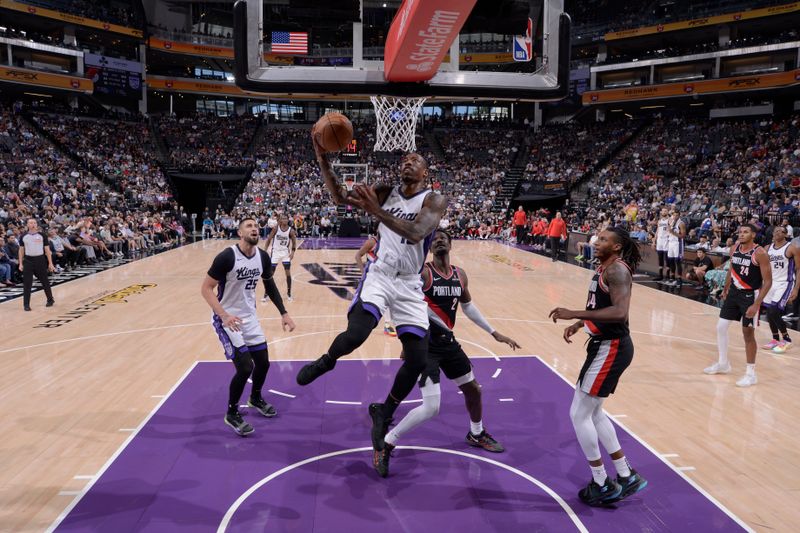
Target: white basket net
[397, 122]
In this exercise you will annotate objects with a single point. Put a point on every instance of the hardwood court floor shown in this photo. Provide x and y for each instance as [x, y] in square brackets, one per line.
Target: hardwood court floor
[71, 393]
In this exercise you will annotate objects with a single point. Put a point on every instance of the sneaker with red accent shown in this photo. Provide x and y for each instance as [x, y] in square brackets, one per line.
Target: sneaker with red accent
[771, 345]
[782, 347]
[380, 459]
[485, 441]
[389, 330]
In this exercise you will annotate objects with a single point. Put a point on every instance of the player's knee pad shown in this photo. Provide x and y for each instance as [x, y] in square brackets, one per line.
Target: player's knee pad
[415, 349]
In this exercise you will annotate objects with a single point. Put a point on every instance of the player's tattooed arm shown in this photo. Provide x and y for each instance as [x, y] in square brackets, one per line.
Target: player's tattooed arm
[619, 281]
[433, 208]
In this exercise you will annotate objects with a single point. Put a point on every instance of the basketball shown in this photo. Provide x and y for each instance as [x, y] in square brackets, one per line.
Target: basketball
[336, 131]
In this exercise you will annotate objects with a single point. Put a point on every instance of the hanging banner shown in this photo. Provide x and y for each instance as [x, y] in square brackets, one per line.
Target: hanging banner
[45, 79]
[706, 21]
[71, 19]
[672, 90]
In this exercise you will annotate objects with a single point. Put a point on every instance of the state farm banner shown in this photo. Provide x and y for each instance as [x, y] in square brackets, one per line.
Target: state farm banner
[118, 77]
[45, 79]
[672, 90]
[420, 36]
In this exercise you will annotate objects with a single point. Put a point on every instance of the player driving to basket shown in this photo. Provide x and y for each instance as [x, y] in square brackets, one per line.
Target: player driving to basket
[408, 214]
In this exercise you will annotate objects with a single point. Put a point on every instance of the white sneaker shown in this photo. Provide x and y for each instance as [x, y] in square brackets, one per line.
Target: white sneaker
[290, 298]
[264, 300]
[717, 368]
[747, 381]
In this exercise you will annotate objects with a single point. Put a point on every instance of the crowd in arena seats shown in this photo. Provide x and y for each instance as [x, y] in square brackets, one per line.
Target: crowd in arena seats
[286, 179]
[566, 152]
[715, 175]
[113, 11]
[207, 143]
[88, 220]
[120, 151]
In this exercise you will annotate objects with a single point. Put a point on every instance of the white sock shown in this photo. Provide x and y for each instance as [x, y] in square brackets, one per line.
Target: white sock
[599, 474]
[622, 466]
[476, 428]
[751, 369]
[722, 340]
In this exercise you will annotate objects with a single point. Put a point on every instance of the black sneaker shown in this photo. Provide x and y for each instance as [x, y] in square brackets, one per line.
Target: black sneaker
[263, 407]
[485, 441]
[238, 424]
[380, 460]
[630, 485]
[380, 425]
[313, 370]
[50, 303]
[596, 495]
[27, 308]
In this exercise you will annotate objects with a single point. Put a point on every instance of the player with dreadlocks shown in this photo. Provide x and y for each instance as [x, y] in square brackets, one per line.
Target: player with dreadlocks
[609, 352]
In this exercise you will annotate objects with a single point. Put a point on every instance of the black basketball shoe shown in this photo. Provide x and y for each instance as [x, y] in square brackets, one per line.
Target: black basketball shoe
[238, 424]
[485, 441]
[597, 495]
[380, 425]
[380, 459]
[630, 485]
[314, 369]
[263, 407]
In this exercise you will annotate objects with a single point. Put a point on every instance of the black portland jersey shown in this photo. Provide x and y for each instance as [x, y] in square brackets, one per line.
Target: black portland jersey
[600, 298]
[442, 296]
[745, 272]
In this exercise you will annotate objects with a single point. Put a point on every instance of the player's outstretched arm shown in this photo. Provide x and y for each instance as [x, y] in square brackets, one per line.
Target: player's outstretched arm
[433, 209]
[332, 181]
[474, 314]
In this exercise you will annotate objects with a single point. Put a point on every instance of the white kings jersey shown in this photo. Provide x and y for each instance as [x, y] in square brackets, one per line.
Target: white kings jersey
[238, 277]
[662, 234]
[782, 266]
[280, 243]
[395, 251]
[676, 227]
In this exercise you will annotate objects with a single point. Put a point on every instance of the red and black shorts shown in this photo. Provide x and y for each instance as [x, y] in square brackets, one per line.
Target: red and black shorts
[606, 360]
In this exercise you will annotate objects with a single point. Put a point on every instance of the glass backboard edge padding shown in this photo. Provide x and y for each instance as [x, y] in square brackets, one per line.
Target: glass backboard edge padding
[546, 85]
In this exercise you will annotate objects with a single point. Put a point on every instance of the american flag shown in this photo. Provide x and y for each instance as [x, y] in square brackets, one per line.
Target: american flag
[289, 42]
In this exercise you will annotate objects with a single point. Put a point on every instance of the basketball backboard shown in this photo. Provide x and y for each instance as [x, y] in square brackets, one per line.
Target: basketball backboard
[259, 69]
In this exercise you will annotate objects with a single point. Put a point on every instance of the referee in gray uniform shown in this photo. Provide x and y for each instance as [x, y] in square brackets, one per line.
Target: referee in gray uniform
[35, 260]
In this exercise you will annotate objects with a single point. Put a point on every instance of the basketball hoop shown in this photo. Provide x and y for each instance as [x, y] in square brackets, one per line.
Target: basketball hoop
[397, 122]
[349, 182]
